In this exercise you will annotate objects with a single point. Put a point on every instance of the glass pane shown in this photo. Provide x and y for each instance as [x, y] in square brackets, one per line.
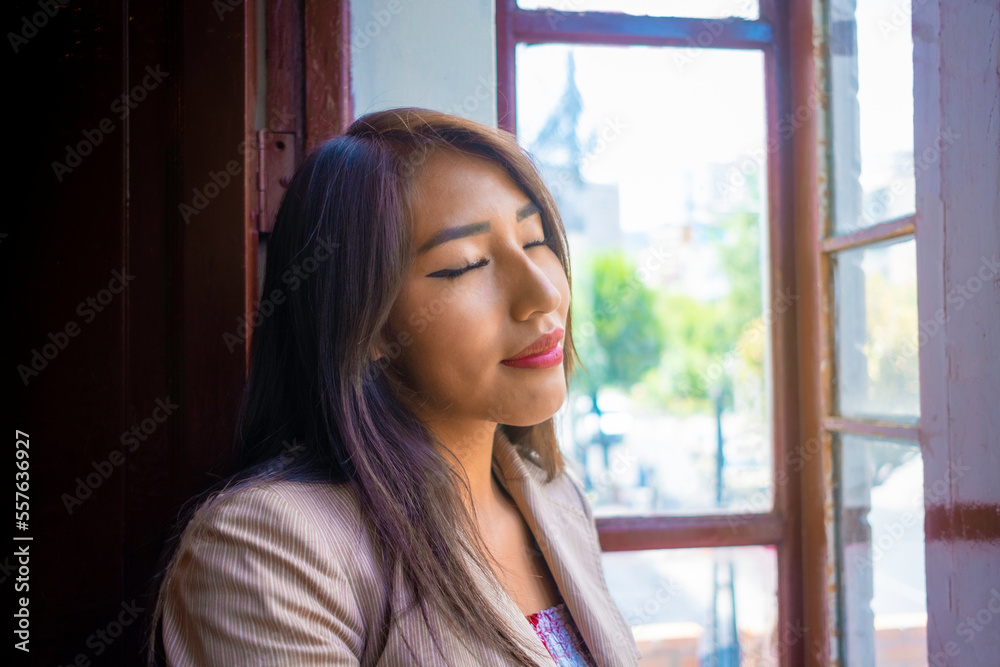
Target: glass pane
[705, 9]
[871, 71]
[701, 606]
[876, 331]
[658, 172]
[881, 532]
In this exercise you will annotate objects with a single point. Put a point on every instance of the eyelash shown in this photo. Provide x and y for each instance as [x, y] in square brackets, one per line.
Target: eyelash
[451, 275]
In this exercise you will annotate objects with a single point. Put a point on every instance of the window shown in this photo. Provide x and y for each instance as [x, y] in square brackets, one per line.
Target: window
[872, 399]
[663, 135]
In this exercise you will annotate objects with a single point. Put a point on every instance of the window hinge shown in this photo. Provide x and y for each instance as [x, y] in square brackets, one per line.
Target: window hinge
[275, 164]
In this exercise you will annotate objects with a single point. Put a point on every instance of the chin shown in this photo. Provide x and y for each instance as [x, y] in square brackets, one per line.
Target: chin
[539, 409]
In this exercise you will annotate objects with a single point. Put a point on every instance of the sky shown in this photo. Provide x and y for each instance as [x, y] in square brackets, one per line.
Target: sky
[668, 110]
[665, 111]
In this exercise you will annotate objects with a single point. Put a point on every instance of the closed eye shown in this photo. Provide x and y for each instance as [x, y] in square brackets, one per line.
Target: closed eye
[451, 274]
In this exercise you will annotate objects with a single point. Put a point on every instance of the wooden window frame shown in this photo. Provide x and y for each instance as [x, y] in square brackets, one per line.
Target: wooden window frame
[960, 519]
[307, 67]
[816, 246]
[781, 527]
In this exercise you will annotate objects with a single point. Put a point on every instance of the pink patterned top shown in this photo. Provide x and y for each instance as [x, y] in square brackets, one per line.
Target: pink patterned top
[559, 634]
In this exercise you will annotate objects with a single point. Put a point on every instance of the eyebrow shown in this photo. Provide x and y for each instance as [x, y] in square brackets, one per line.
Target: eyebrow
[461, 231]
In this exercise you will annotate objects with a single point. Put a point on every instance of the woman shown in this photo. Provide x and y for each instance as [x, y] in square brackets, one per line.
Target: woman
[413, 357]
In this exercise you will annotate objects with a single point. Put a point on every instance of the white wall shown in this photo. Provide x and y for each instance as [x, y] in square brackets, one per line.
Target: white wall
[435, 54]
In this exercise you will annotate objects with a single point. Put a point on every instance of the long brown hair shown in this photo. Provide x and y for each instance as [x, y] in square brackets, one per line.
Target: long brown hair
[312, 380]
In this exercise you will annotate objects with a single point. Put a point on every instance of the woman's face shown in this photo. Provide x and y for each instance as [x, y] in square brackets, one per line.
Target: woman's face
[455, 332]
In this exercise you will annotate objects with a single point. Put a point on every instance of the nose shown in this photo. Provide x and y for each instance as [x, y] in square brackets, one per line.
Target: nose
[533, 285]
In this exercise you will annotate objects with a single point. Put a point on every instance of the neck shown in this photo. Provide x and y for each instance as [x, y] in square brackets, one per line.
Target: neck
[470, 451]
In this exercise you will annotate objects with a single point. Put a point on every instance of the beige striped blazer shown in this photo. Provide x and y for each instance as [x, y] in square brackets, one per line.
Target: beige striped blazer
[282, 573]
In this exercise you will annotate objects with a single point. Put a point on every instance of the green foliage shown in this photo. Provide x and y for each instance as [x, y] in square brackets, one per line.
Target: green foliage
[709, 344]
[615, 329]
[891, 342]
[700, 347]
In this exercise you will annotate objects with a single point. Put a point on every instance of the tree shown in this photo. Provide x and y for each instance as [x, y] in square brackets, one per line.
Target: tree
[615, 330]
[709, 343]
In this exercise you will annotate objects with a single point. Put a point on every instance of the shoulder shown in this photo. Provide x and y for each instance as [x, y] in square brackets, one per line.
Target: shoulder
[277, 511]
[270, 568]
[317, 522]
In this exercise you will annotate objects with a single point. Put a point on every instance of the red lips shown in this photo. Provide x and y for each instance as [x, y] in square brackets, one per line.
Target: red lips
[545, 343]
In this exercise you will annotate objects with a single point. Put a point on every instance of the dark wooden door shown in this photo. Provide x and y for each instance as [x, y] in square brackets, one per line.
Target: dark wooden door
[131, 252]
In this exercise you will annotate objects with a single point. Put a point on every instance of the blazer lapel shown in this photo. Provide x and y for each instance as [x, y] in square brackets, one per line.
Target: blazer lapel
[411, 630]
[519, 624]
[566, 537]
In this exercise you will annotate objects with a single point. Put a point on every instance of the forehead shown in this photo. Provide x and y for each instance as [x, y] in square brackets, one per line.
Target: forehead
[451, 184]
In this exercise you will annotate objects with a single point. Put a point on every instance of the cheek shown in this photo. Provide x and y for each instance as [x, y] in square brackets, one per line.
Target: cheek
[452, 330]
[464, 320]
[418, 311]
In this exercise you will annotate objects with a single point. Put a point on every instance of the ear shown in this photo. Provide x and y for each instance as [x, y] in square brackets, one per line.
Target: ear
[376, 351]
[379, 346]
